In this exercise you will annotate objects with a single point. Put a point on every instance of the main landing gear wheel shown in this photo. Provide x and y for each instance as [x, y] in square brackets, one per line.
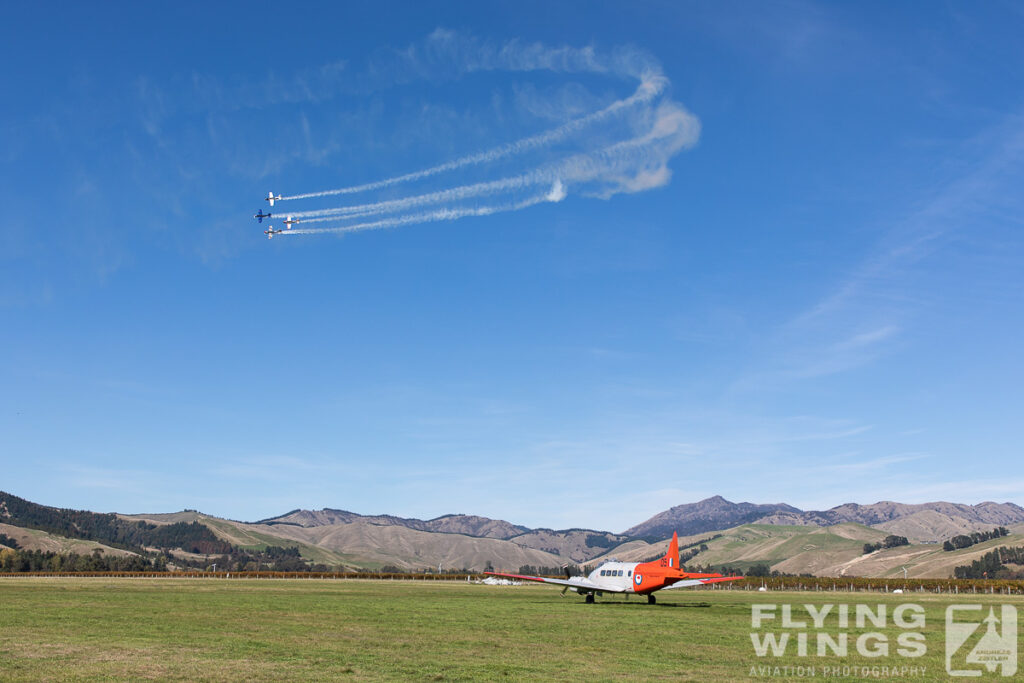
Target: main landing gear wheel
[589, 599]
[650, 599]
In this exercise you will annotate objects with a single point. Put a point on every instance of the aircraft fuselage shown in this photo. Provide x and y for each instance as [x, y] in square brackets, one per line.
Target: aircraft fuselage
[639, 577]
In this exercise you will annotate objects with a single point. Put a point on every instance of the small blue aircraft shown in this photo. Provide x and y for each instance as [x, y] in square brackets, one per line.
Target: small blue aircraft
[260, 216]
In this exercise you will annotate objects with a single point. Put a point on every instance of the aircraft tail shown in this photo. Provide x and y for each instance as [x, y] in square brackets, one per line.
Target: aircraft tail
[673, 552]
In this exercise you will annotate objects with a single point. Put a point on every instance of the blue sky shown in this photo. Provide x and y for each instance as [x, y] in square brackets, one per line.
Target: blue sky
[771, 251]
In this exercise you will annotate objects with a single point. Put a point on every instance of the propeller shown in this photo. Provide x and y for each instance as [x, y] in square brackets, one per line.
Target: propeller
[565, 568]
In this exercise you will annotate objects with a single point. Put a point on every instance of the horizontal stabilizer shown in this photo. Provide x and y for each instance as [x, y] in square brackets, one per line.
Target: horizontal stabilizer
[688, 583]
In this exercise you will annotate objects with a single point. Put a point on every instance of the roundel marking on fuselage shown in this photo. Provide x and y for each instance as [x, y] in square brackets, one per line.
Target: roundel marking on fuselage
[638, 579]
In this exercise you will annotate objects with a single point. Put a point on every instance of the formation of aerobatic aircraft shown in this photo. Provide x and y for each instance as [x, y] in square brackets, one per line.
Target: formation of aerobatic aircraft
[288, 221]
[259, 216]
[643, 578]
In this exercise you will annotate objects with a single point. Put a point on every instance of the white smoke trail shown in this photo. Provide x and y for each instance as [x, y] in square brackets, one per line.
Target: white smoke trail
[450, 195]
[648, 89]
[429, 217]
[671, 128]
[610, 161]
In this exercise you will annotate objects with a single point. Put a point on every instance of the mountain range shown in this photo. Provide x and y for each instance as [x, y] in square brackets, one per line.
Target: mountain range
[923, 523]
[342, 538]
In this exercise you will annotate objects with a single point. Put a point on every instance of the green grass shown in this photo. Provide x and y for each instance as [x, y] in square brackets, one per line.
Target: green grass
[263, 630]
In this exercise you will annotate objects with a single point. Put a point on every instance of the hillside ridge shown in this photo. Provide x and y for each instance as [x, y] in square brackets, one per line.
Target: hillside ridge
[780, 535]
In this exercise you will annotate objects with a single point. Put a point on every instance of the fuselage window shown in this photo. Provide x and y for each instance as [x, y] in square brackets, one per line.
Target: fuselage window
[629, 572]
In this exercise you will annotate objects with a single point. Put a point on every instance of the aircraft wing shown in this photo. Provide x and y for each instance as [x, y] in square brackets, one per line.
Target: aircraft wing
[573, 582]
[689, 583]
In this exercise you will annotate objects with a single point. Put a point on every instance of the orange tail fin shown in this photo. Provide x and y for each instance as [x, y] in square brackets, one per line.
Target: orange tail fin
[673, 552]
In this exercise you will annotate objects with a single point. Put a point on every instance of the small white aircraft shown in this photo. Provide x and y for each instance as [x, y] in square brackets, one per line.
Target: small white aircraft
[631, 577]
[288, 222]
[270, 232]
[271, 198]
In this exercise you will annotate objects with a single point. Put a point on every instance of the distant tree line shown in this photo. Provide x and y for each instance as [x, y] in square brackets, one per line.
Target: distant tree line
[992, 565]
[13, 561]
[967, 540]
[191, 537]
[451, 571]
[537, 570]
[599, 541]
[272, 558]
[890, 541]
[700, 543]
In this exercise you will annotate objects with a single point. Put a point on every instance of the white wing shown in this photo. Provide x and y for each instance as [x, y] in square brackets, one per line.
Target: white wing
[572, 582]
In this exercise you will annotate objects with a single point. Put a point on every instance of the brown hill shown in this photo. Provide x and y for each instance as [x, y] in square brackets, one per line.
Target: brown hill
[709, 514]
[577, 545]
[365, 544]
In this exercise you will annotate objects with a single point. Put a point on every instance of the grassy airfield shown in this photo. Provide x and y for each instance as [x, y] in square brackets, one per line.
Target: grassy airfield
[271, 630]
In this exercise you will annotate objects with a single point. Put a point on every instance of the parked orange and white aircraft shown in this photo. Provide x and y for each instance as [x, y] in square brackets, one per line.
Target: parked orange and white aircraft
[631, 577]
